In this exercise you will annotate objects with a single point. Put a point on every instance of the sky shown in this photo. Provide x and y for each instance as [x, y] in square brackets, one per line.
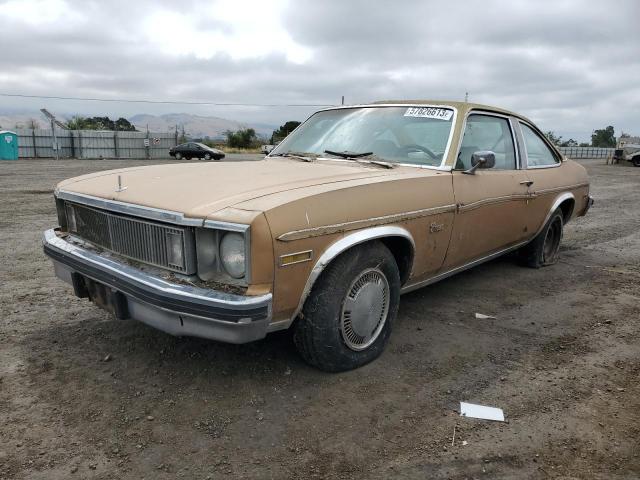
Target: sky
[570, 65]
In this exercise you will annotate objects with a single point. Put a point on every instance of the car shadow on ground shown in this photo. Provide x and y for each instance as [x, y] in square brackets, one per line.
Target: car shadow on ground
[96, 336]
[116, 355]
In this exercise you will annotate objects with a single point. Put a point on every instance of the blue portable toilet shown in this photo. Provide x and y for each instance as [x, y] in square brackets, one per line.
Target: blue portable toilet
[8, 145]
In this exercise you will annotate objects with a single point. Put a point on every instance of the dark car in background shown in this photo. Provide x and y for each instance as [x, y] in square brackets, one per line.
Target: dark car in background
[191, 150]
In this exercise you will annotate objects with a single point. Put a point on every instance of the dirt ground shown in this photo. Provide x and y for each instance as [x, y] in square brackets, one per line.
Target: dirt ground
[83, 395]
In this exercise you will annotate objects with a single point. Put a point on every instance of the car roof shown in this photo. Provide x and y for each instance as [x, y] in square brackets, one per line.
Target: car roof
[462, 107]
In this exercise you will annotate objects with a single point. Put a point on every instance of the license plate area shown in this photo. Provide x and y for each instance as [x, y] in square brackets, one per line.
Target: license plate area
[106, 298]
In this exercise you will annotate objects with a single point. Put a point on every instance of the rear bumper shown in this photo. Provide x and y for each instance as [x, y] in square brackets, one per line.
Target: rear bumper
[588, 205]
[181, 310]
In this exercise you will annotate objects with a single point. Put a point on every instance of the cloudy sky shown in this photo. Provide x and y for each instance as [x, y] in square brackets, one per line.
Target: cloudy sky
[570, 65]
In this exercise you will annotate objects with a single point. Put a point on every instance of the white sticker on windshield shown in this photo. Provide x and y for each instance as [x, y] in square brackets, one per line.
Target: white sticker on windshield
[429, 112]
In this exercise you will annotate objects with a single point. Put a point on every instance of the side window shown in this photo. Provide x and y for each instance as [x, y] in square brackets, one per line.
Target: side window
[538, 153]
[484, 132]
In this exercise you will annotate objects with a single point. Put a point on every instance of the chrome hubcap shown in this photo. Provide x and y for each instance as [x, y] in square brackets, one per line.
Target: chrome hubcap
[365, 309]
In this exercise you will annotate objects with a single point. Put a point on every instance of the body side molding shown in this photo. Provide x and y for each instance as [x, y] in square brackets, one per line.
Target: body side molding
[365, 223]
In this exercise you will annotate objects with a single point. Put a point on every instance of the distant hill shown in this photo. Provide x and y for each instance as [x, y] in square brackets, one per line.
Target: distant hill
[11, 121]
[195, 126]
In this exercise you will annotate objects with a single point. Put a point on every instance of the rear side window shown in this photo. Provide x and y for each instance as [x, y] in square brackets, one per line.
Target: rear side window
[538, 152]
[485, 132]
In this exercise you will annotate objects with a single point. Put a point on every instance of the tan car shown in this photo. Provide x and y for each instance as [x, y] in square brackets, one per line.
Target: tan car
[355, 207]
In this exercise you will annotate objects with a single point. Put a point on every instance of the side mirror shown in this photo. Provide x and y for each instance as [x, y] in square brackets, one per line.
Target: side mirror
[481, 159]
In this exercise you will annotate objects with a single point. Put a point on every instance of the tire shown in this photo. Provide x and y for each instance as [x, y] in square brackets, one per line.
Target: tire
[337, 331]
[178, 156]
[543, 250]
[636, 161]
[207, 156]
[188, 157]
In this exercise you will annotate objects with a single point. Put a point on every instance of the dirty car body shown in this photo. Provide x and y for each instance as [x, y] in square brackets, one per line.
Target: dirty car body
[356, 206]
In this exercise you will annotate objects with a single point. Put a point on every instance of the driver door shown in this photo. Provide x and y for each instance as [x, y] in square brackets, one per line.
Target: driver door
[491, 203]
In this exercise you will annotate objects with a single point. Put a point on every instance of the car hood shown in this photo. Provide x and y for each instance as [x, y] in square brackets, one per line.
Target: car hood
[201, 189]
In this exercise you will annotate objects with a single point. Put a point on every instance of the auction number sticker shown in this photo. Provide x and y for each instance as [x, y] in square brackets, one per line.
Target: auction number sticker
[429, 112]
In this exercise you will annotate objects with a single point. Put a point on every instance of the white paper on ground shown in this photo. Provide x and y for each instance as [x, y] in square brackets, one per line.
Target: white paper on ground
[480, 411]
[482, 316]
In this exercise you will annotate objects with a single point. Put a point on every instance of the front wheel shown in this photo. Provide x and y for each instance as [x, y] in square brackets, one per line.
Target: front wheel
[346, 321]
[178, 156]
[636, 161]
[543, 250]
[207, 156]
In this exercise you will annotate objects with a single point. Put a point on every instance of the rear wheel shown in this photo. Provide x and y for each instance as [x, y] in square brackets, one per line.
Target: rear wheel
[543, 250]
[346, 321]
[178, 156]
[188, 157]
[636, 161]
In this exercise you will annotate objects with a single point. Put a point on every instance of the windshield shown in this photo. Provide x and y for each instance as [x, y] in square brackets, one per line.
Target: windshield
[413, 135]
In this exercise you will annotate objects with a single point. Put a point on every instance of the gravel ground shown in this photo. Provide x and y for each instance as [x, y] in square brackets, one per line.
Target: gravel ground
[85, 396]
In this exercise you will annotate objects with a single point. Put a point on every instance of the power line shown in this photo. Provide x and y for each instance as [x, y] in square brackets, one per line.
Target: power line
[167, 102]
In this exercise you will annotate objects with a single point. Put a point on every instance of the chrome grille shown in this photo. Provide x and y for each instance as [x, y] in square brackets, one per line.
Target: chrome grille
[134, 238]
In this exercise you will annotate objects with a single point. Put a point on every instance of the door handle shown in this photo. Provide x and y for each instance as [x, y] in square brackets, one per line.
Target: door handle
[528, 183]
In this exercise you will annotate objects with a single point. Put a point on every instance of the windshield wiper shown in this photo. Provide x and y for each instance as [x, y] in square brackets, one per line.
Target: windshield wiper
[359, 157]
[304, 156]
[347, 154]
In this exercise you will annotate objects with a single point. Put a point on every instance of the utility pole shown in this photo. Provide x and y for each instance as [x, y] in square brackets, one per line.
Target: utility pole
[54, 122]
[466, 97]
[342, 99]
[147, 144]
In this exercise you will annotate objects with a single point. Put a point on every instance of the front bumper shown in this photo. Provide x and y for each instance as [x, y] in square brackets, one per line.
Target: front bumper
[181, 310]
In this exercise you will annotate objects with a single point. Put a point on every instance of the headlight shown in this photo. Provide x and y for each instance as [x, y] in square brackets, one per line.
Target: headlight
[232, 254]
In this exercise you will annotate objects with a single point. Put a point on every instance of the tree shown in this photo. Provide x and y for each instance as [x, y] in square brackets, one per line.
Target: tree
[569, 143]
[603, 138]
[551, 136]
[78, 122]
[284, 130]
[243, 138]
[124, 125]
[558, 142]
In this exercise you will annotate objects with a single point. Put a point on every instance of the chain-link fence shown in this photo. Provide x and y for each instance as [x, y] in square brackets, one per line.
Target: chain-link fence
[587, 152]
[94, 144]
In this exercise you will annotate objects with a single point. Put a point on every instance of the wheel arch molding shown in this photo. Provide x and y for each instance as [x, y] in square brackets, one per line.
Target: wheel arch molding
[566, 199]
[396, 239]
